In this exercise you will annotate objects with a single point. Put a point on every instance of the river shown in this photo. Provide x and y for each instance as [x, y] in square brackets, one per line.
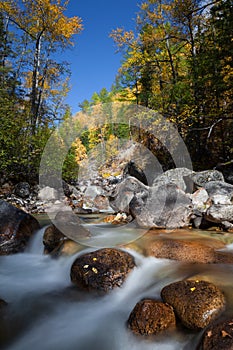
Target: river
[45, 311]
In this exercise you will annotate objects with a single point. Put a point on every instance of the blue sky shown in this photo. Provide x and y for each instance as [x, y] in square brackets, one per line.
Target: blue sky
[94, 61]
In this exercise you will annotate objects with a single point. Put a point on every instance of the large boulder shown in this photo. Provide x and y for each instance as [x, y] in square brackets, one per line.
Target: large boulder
[165, 207]
[16, 227]
[177, 177]
[160, 206]
[150, 317]
[189, 250]
[127, 190]
[101, 270]
[196, 303]
[218, 336]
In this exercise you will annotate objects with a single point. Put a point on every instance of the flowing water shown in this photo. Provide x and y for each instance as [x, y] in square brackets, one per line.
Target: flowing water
[45, 311]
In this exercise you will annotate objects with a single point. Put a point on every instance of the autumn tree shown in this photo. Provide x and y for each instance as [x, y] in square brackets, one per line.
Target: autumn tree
[178, 61]
[47, 30]
[41, 30]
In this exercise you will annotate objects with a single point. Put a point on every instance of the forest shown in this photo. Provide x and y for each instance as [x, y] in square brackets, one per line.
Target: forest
[177, 61]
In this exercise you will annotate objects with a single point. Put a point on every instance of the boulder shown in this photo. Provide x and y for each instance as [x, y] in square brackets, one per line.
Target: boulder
[48, 194]
[196, 303]
[16, 227]
[101, 270]
[95, 198]
[52, 238]
[201, 178]
[218, 336]
[191, 251]
[165, 207]
[181, 250]
[124, 193]
[22, 190]
[161, 206]
[177, 177]
[150, 317]
[219, 213]
[200, 200]
[219, 188]
[70, 225]
[132, 169]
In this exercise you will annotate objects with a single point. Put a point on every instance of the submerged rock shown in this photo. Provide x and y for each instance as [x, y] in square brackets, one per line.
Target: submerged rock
[196, 303]
[150, 317]
[182, 250]
[218, 336]
[102, 270]
[16, 227]
[189, 250]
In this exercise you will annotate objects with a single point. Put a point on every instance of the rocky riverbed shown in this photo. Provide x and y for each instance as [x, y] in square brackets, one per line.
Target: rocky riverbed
[167, 214]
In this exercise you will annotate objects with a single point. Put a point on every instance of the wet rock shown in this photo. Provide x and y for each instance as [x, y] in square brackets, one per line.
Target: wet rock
[66, 248]
[102, 270]
[177, 177]
[218, 336]
[22, 190]
[16, 227]
[52, 238]
[196, 303]
[150, 317]
[70, 225]
[183, 250]
[201, 178]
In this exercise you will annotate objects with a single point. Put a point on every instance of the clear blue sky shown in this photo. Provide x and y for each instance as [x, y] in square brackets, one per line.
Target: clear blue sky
[94, 61]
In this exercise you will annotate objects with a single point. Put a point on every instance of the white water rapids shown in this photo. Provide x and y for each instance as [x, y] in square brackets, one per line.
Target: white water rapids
[45, 311]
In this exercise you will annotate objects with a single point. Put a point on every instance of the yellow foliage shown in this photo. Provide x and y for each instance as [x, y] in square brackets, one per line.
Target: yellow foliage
[43, 17]
[80, 151]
